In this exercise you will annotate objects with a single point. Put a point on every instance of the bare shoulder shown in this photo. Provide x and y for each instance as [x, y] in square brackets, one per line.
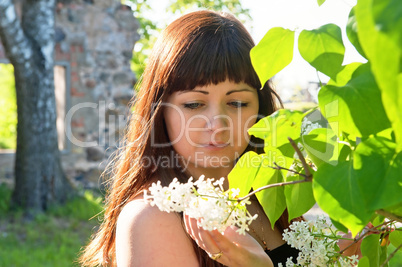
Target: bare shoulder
[146, 236]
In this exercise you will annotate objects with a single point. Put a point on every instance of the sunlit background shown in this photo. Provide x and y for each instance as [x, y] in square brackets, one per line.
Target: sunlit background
[291, 14]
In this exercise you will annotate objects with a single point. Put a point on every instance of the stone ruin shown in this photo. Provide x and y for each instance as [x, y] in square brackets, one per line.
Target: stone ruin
[94, 83]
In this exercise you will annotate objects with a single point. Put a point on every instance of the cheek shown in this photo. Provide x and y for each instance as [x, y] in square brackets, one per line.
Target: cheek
[174, 124]
[249, 119]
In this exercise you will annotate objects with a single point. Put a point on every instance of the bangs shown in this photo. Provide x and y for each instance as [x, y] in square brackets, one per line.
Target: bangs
[209, 54]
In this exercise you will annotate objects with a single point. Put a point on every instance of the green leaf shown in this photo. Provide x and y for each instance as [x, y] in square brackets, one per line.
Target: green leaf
[276, 128]
[339, 226]
[243, 174]
[355, 108]
[396, 238]
[338, 194]
[272, 53]
[320, 2]
[364, 262]
[299, 197]
[322, 146]
[370, 248]
[378, 171]
[323, 49]
[380, 37]
[272, 199]
[351, 32]
[344, 76]
[388, 18]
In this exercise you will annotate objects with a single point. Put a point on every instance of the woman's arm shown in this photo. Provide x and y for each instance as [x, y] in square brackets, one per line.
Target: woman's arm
[236, 249]
[148, 237]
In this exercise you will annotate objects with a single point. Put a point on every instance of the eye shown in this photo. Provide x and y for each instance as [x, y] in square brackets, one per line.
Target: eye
[238, 104]
[193, 105]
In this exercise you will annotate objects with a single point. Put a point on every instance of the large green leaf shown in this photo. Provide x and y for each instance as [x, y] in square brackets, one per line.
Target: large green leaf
[320, 2]
[337, 193]
[370, 248]
[380, 37]
[272, 53]
[276, 128]
[378, 171]
[388, 18]
[322, 146]
[364, 262]
[281, 156]
[355, 108]
[299, 197]
[344, 76]
[351, 32]
[323, 49]
[243, 174]
[272, 199]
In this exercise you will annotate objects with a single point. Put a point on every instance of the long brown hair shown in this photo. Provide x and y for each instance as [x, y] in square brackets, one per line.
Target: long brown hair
[198, 49]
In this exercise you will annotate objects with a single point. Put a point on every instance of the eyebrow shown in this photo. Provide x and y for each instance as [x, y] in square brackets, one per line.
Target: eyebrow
[228, 93]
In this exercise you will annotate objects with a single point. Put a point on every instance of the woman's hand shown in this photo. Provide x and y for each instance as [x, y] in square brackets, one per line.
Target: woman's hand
[231, 248]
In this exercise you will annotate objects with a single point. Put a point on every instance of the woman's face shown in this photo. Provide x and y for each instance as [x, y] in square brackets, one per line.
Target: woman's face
[208, 125]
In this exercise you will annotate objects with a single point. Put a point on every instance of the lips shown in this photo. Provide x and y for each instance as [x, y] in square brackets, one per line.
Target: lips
[216, 145]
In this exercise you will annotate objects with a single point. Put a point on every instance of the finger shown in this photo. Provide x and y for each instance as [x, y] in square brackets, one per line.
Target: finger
[192, 229]
[187, 225]
[208, 242]
[213, 249]
[221, 241]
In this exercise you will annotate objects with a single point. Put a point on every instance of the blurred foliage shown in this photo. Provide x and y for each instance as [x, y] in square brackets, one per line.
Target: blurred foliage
[150, 26]
[8, 107]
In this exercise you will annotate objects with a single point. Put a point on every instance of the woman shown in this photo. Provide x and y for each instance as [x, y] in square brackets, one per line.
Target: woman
[198, 97]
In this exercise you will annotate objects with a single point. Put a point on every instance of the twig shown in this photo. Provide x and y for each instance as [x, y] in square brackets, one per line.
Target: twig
[391, 255]
[363, 235]
[308, 177]
[274, 185]
[389, 215]
[302, 159]
[282, 168]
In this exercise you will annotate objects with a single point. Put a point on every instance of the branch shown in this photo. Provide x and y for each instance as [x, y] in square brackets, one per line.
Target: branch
[274, 185]
[301, 157]
[12, 36]
[364, 234]
[289, 170]
[391, 255]
[389, 215]
[308, 177]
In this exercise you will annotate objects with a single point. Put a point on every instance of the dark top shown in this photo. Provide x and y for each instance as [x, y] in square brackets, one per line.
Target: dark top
[282, 253]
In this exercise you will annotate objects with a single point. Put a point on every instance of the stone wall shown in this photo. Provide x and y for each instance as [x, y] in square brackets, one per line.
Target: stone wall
[94, 42]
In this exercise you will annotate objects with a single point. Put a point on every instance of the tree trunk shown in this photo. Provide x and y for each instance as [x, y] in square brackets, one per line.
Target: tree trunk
[29, 45]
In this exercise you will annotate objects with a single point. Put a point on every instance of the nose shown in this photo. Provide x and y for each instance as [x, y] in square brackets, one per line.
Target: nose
[218, 120]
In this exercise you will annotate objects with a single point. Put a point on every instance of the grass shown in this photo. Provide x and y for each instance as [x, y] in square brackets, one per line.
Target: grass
[51, 239]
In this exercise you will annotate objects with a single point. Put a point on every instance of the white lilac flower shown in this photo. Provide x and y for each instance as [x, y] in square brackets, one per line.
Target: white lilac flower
[214, 208]
[204, 200]
[308, 126]
[316, 243]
